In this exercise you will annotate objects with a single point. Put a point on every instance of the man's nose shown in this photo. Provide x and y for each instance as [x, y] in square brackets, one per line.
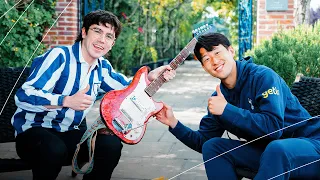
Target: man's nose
[214, 60]
[103, 38]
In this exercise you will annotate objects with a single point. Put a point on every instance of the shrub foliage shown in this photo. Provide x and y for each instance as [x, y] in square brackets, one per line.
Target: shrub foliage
[19, 43]
[289, 52]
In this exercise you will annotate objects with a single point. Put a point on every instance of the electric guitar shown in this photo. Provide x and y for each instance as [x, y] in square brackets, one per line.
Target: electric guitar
[126, 112]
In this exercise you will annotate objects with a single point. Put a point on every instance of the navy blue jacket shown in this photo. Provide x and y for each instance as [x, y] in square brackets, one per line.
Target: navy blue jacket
[260, 103]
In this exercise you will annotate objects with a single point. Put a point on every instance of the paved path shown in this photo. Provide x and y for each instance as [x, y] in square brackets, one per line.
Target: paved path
[159, 153]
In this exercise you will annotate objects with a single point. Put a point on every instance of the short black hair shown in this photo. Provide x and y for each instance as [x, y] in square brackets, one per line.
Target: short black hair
[208, 40]
[103, 17]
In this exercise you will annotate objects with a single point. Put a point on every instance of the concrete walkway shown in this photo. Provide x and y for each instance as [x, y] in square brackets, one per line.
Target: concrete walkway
[159, 153]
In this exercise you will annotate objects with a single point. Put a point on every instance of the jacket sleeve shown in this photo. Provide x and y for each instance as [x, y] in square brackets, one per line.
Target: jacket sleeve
[112, 80]
[209, 128]
[36, 92]
[271, 98]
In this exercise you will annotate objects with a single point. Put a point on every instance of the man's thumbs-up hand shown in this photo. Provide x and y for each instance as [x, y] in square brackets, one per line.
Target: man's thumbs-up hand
[85, 90]
[216, 104]
[79, 101]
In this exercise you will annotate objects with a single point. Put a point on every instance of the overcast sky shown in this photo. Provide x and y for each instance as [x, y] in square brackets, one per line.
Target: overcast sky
[315, 4]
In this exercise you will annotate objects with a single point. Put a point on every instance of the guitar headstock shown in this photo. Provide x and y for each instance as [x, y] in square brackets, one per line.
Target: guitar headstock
[201, 30]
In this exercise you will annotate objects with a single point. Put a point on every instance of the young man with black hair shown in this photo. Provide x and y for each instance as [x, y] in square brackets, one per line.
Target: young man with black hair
[251, 101]
[59, 93]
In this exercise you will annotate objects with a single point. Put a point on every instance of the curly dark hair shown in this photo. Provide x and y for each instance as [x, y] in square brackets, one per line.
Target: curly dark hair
[103, 17]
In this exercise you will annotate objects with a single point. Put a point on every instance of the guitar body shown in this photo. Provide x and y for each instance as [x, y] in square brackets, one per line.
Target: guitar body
[125, 112]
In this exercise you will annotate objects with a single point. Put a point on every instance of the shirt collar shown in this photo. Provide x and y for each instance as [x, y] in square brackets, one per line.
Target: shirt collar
[76, 48]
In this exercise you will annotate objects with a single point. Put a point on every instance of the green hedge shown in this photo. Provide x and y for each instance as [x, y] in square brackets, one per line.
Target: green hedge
[18, 46]
[289, 52]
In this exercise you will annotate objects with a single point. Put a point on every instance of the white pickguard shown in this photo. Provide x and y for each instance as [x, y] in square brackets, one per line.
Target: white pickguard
[135, 108]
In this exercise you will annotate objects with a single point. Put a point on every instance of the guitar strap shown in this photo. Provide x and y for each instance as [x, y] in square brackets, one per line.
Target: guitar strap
[90, 134]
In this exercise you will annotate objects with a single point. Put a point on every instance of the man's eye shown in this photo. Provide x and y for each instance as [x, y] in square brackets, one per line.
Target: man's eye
[109, 36]
[217, 53]
[97, 31]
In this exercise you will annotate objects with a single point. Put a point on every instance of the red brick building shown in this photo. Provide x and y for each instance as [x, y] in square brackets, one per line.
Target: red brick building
[66, 28]
[270, 21]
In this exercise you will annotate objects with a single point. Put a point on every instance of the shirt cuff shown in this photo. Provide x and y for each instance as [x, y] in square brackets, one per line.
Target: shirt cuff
[60, 100]
[179, 131]
[229, 113]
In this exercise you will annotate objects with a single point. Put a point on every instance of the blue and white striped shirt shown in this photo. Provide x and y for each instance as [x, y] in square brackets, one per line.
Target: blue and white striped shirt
[61, 72]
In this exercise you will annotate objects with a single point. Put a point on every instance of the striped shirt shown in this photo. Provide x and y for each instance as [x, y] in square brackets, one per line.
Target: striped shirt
[61, 72]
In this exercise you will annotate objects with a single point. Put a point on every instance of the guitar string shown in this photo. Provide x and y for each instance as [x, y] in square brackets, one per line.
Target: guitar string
[32, 55]
[157, 82]
[174, 64]
[144, 124]
[161, 79]
[151, 89]
[16, 22]
[10, 8]
[241, 146]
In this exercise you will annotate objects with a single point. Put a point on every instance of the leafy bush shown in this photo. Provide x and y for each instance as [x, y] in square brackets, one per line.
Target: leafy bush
[18, 47]
[289, 52]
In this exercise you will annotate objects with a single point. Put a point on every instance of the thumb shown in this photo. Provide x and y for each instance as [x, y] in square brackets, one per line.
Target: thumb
[219, 93]
[164, 68]
[166, 106]
[167, 67]
[85, 90]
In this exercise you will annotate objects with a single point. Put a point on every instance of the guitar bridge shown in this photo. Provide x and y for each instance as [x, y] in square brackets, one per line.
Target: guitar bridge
[122, 123]
[117, 125]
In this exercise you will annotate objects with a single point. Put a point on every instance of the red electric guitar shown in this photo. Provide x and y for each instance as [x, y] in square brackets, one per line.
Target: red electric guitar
[125, 112]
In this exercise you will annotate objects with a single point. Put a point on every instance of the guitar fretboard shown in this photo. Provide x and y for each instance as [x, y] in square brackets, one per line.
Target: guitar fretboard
[154, 86]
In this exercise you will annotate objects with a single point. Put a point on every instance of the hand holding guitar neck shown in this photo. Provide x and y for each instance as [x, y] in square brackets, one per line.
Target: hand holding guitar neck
[166, 71]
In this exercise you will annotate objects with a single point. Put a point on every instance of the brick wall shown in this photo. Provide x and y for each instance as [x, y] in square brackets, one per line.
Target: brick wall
[65, 30]
[270, 22]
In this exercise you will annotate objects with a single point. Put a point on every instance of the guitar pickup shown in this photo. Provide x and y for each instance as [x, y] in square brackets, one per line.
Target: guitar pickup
[138, 104]
[126, 116]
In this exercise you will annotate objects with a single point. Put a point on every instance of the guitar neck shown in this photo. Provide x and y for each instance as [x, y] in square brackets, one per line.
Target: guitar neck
[155, 85]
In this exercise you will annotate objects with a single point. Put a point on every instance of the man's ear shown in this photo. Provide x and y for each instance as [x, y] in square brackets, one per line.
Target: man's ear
[231, 50]
[83, 32]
